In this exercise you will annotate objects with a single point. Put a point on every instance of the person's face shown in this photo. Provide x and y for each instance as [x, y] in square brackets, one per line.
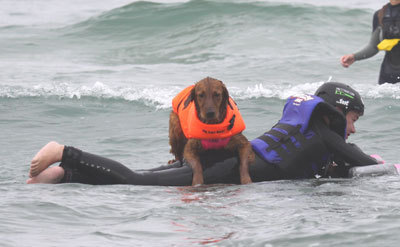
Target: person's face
[351, 118]
[395, 2]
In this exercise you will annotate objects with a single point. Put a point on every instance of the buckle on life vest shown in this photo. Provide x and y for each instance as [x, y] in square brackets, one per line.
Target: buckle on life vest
[388, 44]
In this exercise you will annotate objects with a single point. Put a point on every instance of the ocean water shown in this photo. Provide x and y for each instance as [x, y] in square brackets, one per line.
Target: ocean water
[100, 76]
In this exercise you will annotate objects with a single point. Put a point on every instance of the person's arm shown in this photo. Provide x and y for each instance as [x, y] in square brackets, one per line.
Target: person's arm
[375, 21]
[369, 50]
[345, 151]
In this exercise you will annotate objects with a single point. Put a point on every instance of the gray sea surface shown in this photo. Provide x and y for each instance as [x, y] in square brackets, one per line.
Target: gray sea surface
[100, 76]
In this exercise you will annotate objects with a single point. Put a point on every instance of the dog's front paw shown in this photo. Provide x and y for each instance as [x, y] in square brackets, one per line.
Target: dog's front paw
[245, 180]
[197, 180]
[171, 162]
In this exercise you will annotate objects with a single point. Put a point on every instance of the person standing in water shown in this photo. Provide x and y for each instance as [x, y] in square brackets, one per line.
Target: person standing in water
[385, 36]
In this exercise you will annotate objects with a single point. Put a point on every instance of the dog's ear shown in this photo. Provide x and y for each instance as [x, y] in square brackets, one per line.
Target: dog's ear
[225, 101]
[190, 98]
[225, 95]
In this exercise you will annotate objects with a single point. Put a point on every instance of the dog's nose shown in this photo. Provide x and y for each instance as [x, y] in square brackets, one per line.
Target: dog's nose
[210, 114]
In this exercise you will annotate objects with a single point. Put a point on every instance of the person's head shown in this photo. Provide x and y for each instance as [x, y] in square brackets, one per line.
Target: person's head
[345, 99]
[394, 2]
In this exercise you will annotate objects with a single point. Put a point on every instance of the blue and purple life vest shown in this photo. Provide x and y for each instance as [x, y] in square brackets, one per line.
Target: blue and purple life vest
[291, 140]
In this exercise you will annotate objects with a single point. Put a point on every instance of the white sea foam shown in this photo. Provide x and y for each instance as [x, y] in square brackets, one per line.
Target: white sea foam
[391, 91]
[161, 97]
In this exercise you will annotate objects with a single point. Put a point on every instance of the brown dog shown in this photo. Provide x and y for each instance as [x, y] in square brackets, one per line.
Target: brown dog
[205, 117]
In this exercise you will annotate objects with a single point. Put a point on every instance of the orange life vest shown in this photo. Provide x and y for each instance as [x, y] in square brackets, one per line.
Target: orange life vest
[192, 126]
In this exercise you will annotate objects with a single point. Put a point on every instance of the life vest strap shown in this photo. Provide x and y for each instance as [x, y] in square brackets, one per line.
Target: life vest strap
[381, 13]
[273, 145]
[283, 139]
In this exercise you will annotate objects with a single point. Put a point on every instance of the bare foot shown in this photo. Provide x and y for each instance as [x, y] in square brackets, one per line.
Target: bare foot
[52, 175]
[49, 154]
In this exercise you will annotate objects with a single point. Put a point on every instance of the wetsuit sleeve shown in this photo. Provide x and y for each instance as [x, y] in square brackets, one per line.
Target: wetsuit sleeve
[349, 153]
[371, 48]
[375, 21]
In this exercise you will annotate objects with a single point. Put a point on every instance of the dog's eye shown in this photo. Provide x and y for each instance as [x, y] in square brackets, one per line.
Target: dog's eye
[201, 95]
[217, 95]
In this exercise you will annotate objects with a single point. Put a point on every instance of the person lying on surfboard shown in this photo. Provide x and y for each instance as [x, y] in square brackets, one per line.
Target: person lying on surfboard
[309, 141]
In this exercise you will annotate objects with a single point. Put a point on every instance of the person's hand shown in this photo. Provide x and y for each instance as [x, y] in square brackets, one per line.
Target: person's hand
[378, 158]
[347, 60]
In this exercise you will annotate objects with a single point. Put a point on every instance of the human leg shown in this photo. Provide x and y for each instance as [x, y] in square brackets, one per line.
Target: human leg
[389, 73]
[47, 155]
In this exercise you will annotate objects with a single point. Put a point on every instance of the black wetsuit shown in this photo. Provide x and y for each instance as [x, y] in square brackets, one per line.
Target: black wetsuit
[83, 167]
[390, 67]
